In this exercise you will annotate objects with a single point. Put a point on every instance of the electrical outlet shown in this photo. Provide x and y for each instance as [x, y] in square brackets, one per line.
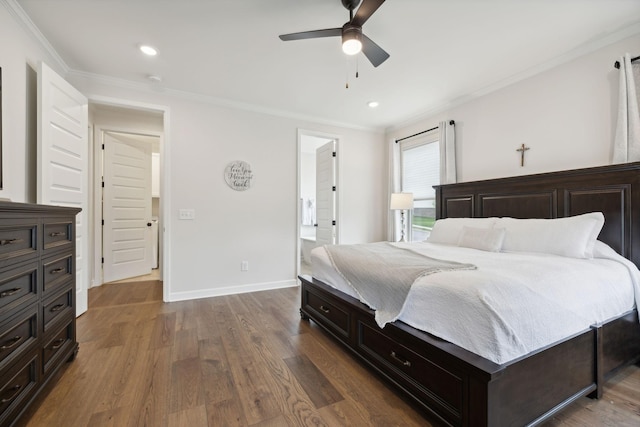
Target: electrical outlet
[187, 214]
[244, 266]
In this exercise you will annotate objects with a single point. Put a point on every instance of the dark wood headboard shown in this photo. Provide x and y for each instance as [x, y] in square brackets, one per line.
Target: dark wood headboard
[613, 190]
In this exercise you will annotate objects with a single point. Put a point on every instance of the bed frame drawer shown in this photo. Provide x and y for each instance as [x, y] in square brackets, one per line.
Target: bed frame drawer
[433, 383]
[329, 313]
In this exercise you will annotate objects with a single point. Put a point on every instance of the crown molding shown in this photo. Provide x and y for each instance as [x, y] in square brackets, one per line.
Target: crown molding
[626, 32]
[212, 100]
[21, 17]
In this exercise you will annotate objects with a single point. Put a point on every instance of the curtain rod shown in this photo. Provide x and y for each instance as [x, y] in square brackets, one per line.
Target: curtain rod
[451, 122]
[617, 63]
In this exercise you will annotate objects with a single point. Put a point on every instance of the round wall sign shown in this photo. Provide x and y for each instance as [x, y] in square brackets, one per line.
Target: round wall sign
[238, 175]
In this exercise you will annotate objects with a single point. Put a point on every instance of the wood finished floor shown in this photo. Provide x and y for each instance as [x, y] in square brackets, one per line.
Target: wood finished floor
[239, 360]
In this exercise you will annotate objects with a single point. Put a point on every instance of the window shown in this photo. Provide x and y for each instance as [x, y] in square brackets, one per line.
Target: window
[420, 171]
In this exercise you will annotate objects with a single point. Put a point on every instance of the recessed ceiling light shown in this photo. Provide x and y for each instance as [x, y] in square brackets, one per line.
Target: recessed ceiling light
[373, 104]
[148, 50]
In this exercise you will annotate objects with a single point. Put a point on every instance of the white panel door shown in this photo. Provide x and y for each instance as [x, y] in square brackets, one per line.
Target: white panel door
[127, 242]
[63, 162]
[325, 195]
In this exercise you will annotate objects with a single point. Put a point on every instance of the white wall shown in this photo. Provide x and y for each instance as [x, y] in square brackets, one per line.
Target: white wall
[566, 115]
[258, 225]
[19, 56]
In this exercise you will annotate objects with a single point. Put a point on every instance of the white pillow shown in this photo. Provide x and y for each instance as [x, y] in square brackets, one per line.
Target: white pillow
[572, 236]
[484, 239]
[448, 230]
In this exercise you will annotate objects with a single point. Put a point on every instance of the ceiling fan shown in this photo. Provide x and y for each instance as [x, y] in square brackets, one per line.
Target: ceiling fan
[353, 40]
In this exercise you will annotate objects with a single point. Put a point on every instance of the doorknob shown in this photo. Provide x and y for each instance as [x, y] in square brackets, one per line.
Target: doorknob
[148, 224]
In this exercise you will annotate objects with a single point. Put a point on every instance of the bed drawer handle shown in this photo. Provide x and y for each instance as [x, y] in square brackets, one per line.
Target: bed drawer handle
[57, 233]
[57, 343]
[16, 389]
[399, 360]
[11, 343]
[9, 292]
[10, 242]
[57, 307]
[324, 309]
[57, 270]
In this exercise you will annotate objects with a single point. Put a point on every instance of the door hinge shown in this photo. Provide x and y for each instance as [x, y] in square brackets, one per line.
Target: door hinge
[103, 222]
[333, 222]
[102, 184]
[103, 260]
[333, 188]
[103, 146]
[333, 154]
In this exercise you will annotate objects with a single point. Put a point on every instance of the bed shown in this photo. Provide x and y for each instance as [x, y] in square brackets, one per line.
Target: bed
[458, 387]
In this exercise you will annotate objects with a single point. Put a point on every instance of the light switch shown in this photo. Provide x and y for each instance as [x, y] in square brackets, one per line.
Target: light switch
[187, 214]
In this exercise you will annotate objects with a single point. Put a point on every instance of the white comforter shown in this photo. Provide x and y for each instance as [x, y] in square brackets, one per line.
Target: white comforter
[514, 303]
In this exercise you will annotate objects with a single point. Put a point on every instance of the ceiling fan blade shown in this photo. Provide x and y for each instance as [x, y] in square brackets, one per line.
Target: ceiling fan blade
[366, 9]
[330, 32]
[374, 53]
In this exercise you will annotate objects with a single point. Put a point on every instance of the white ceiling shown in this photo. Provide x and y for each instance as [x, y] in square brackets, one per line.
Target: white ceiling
[442, 51]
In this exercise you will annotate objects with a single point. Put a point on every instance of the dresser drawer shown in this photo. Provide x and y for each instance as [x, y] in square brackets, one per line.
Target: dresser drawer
[434, 383]
[330, 314]
[18, 286]
[56, 308]
[57, 234]
[57, 346]
[16, 386]
[17, 334]
[18, 240]
[57, 271]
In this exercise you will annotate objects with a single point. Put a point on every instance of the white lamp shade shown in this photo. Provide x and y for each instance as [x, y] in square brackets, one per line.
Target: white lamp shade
[401, 201]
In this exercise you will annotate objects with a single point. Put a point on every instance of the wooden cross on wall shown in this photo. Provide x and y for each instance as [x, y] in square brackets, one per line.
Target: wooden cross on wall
[522, 149]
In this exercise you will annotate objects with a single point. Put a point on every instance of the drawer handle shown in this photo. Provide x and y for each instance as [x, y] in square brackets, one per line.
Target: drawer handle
[10, 242]
[57, 307]
[57, 233]
[399, 360]
[324, 309]
[11, 343]
[9, 292]
[57, 343]
[57, 270]
[16, 388]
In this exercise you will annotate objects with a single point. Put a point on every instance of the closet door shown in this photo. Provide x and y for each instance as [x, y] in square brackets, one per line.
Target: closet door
[63, 161]
[126, 209]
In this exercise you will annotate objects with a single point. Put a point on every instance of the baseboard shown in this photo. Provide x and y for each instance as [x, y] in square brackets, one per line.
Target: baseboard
[230, 290]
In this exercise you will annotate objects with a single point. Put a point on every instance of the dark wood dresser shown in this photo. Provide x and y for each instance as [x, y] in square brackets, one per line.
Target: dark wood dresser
[37, 300]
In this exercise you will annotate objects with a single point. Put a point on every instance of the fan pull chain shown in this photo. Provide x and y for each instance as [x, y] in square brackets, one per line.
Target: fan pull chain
[357, 63]
[347, 73]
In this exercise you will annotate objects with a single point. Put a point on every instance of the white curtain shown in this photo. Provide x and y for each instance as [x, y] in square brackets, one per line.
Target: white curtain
[626, 146]
[447, 153]
[394, 187]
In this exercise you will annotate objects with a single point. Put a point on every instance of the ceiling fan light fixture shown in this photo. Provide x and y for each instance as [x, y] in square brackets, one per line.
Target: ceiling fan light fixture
[351, 39]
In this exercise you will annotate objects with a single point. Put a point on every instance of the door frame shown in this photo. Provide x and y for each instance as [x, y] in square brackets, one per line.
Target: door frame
[165, 199]
[318, 134]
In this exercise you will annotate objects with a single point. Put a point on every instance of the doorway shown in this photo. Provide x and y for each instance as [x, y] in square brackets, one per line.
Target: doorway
[318, 209]
[127, 193]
